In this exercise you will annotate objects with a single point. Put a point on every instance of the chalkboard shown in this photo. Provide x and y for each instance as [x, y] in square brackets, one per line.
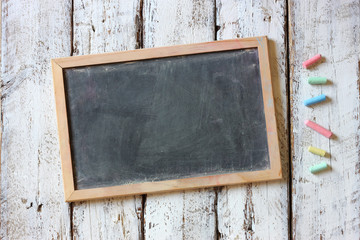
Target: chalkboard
[191, 116]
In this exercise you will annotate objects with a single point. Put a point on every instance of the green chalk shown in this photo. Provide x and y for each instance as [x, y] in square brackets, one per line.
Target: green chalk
[317, 80]
[319, 167]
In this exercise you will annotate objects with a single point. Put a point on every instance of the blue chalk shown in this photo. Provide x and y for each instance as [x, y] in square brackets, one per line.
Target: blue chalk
[314, 100]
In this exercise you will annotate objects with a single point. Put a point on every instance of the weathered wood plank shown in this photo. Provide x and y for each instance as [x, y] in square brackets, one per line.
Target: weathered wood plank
[258, 211]
[189, 214]
[326, 205]
[32, 201]
[0, 95]
[106, 26]
[115, 218]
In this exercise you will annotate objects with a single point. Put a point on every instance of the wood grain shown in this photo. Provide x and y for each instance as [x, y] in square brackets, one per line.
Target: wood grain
[157, 52]
[64, 141]
[32, 205]
[326, 205]
[258, 211]
[99, 27]
[173, 185]
[190, 214]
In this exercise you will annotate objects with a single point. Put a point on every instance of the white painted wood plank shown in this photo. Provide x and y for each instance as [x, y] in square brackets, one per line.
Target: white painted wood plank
[115, 218]
[326, 205]
[32, 201]
[258, 211]
[181, 215]
[106, 26]
[178, 22]
[189, 214]
[0, 92]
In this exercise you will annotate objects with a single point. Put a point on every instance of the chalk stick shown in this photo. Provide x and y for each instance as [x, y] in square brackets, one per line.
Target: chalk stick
[318, 168]
[318, 128]
[314, 100]
[312, 60]
[317, 80]
[316, 151]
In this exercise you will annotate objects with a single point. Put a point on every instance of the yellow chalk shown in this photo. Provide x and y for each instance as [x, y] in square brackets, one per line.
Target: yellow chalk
[317, 151]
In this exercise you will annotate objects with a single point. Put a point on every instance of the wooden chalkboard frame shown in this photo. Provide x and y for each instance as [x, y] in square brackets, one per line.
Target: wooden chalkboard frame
[71, 194]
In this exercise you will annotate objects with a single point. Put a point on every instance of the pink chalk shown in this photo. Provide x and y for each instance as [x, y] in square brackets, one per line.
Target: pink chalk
[311, 61]
[318, 128]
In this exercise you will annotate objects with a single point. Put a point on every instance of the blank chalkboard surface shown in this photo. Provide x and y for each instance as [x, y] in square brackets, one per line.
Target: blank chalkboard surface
[164, 119]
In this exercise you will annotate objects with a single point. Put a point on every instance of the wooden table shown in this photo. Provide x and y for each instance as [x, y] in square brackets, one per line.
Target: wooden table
[302, 206]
